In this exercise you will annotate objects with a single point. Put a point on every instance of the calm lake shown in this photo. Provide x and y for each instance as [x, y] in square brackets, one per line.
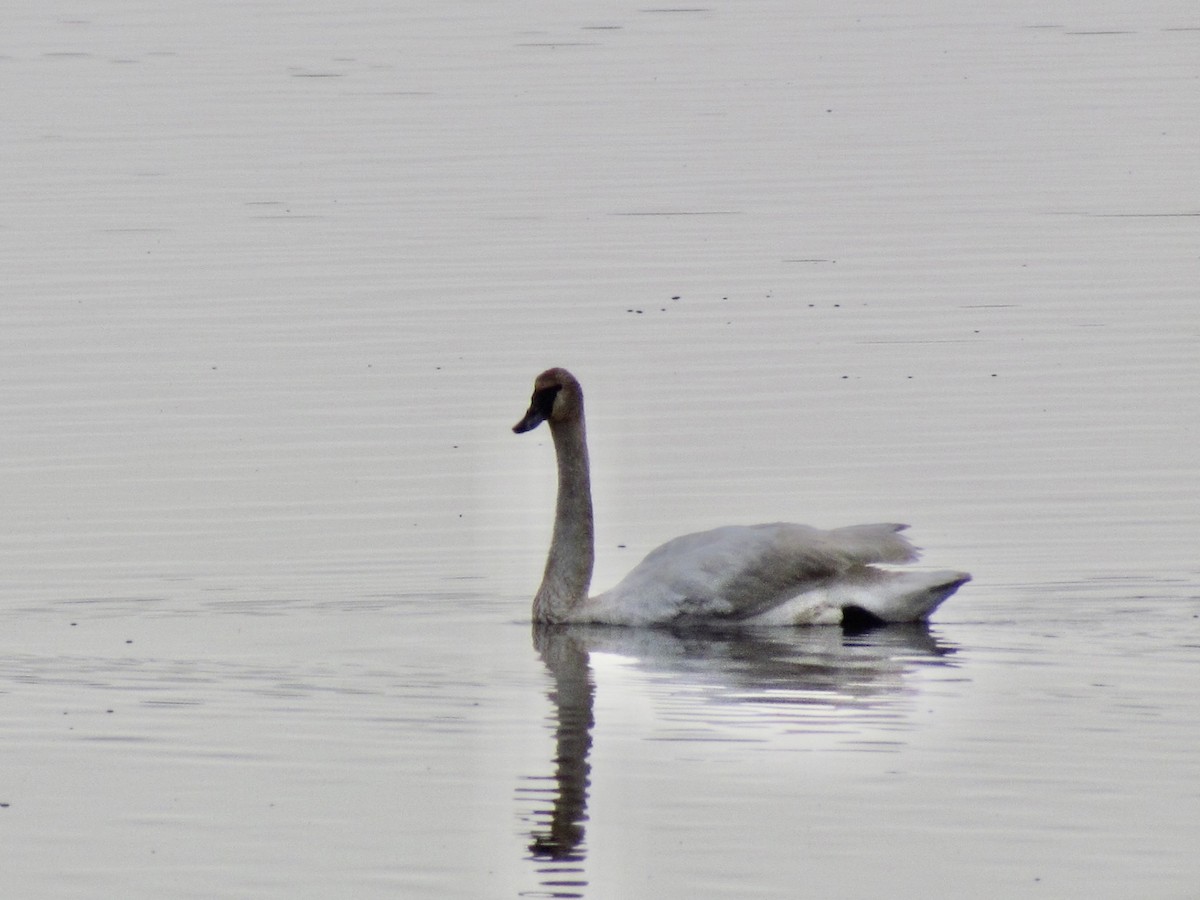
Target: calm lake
[277, 278]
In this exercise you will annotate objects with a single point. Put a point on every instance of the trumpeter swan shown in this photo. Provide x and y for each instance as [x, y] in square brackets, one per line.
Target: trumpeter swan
[738, 575]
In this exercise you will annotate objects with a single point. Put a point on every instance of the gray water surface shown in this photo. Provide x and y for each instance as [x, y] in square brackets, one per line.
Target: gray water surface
[276, 280]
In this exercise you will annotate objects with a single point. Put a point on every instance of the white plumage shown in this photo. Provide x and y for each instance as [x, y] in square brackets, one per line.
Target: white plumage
[738, 575]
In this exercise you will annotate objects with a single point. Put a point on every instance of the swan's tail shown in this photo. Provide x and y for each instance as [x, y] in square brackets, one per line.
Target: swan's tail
[898, 596]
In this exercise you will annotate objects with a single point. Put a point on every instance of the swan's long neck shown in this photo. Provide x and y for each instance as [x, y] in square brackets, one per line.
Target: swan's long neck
[569, 565]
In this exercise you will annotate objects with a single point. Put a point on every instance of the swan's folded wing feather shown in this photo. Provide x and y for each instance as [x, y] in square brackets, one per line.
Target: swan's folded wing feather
[736, 572]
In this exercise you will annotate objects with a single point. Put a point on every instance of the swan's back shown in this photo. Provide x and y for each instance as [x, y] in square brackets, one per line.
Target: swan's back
[772, 574]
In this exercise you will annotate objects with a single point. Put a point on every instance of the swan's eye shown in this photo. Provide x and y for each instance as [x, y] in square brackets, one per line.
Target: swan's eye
[543, 400]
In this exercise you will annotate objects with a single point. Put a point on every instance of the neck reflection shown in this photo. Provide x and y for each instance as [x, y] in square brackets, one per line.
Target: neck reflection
[558, 836]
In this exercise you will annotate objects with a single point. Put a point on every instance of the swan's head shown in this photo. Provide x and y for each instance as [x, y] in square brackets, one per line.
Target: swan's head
[557, 397]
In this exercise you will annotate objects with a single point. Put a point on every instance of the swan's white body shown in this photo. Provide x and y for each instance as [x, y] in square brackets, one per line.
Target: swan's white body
[754, 575]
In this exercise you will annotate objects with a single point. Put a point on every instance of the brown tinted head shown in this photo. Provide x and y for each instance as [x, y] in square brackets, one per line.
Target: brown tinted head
[557, 397]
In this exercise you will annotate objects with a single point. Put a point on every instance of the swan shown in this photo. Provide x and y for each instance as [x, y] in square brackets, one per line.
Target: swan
[738, 575]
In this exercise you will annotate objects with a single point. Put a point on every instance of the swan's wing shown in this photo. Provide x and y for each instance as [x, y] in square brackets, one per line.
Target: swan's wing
[737, 572]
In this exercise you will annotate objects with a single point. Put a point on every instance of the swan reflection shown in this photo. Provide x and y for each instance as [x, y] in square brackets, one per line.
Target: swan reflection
[793, 679]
